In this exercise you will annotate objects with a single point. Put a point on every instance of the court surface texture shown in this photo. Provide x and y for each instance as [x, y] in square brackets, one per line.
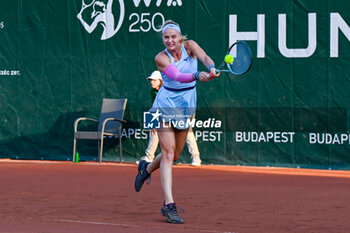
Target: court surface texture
[49, 196]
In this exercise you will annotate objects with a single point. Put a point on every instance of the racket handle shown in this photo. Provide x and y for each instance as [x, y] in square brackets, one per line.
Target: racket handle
[217, 71]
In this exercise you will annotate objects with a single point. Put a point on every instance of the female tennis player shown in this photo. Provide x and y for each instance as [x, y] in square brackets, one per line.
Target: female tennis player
[176, 101]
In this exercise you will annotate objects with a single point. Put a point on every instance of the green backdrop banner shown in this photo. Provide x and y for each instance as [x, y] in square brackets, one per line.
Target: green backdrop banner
[58, 59]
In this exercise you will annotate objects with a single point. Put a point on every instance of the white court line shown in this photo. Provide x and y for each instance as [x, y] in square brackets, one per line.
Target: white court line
[130, 225]
[97, 223]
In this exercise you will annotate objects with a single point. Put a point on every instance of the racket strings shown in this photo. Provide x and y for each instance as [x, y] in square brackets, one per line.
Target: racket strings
[242, 60]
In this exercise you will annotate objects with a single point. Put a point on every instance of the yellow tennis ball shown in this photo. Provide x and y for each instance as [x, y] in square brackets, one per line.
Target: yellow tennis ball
[229, 59]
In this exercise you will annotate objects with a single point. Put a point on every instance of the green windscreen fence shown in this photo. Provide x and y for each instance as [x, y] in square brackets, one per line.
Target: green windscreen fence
[60, 58]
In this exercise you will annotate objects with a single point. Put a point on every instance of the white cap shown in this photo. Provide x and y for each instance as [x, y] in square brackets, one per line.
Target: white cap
[155, 75]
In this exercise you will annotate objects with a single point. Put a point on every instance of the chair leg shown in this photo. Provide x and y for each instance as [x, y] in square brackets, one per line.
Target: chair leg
[120, 149]
[98, 149]
[101, 150]
[74, 148]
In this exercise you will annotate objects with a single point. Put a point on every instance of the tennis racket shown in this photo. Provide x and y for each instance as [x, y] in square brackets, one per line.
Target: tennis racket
[242, 59]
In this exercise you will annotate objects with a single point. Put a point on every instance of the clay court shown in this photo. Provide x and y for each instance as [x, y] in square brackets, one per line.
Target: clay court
[90, 197]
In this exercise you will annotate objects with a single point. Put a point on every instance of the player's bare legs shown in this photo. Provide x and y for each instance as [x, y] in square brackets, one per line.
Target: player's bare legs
[171, 142]
[167, 143]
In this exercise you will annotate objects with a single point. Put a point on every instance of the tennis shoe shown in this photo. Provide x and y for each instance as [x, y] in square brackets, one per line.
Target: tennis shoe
[142, 175]
[170, 212]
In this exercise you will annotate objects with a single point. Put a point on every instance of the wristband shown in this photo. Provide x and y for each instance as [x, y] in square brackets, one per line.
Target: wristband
[196, 75]
[211, 66]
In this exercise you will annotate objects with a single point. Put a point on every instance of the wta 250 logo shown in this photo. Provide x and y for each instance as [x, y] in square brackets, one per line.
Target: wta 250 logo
[110, 16]
[95, 13]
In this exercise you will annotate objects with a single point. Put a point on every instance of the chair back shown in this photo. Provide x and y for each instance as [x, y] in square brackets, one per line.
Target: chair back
[112, 108]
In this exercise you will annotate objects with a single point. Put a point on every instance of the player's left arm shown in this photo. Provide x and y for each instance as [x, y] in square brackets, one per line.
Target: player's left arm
[197, 52]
